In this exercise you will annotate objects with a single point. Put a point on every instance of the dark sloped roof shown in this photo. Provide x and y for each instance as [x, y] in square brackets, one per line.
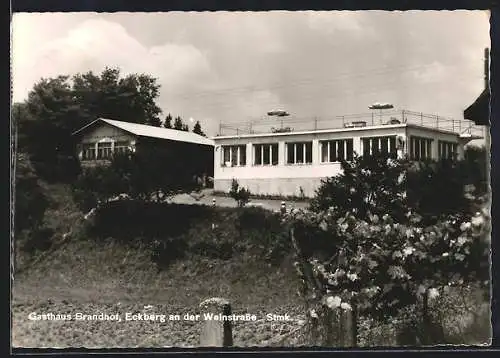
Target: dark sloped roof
[479, 111]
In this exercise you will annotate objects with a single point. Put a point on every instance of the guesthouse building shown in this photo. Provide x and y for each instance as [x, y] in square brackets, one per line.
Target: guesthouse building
[293, 163]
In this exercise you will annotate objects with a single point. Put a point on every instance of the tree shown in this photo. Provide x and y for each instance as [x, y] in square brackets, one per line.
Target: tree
[371, 184]
[46, 120]
[130, 99]
[178, 124]
[168, 121]
[30, 200]
[197, 129]
[138, 175]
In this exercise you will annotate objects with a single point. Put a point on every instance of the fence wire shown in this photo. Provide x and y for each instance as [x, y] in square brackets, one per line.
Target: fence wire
[382, 117]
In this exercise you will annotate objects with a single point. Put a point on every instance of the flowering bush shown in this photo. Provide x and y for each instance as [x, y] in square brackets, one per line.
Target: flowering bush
[353, 256]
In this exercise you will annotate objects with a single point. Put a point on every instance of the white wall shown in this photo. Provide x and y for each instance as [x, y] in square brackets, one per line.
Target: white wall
[436, 136]
[285, 179]
[103, 132]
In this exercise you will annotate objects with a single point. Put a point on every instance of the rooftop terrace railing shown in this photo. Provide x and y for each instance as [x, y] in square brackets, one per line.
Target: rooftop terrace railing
[374, 118]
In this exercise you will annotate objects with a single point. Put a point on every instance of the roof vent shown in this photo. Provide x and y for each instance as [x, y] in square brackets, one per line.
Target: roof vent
[355, 124]
[393, 120]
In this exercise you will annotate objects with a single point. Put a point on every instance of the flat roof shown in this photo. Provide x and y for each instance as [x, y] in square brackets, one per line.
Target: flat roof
[334, 130]
[143, 130]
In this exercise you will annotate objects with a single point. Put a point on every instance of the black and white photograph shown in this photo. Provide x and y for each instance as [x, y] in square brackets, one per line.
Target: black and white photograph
[281, 179]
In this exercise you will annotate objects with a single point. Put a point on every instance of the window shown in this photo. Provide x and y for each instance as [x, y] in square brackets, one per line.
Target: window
[266, 154]
[299, 153]
[234, 155]
[336, 150]
[420, 148]
[447, 150]
[380, 145]
[121, 147]
[88, 151]
[104, 150]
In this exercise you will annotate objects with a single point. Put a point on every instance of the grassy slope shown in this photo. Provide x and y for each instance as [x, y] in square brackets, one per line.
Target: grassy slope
[87, 276]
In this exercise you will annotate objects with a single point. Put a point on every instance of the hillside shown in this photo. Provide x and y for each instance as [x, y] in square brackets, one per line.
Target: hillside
[104, 276]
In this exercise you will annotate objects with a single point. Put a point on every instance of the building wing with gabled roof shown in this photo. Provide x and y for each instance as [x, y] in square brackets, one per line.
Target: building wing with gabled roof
[143, 130]
[100, 140]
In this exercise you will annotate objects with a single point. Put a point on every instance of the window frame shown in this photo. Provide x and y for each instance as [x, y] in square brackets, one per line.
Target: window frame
[241, 158]
[307, 156]
[390, 140]
[104, 153]
[89, 148]
[259, 154]
[331, 147]
[426, 148]
[450, 149]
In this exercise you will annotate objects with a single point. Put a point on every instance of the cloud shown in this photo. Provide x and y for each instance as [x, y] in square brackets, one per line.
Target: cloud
[97, 43]
[338, 21]
[235, 66]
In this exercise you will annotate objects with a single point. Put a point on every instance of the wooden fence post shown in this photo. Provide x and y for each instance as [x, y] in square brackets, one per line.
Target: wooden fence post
[348, 326]
[216, 332]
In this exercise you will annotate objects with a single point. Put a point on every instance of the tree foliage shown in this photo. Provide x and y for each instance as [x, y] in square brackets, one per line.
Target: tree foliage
[148, 174]
[180, 125]
[197, 129]
[383, 185]
[168, 121]
[30, 200]
[374, 184]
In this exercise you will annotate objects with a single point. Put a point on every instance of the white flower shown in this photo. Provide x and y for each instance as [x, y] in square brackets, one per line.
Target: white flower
[313, 314]
[352, 276]
[445, 254]
[345, 306]
[461, 240]
[465, 226]
[460, 257]
[433, 293]
[477, 221]
[333, 302]
[408, 251]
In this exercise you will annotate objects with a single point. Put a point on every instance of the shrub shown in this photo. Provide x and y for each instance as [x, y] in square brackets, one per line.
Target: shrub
[38, 239]
[373, 184]
[30, 199]
[261, 231]
[241, 195]
[139, 175]
[383, 185]
[374, 241]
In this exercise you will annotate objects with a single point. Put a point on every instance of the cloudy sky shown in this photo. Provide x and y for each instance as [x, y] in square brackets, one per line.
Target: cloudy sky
[226, 66]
